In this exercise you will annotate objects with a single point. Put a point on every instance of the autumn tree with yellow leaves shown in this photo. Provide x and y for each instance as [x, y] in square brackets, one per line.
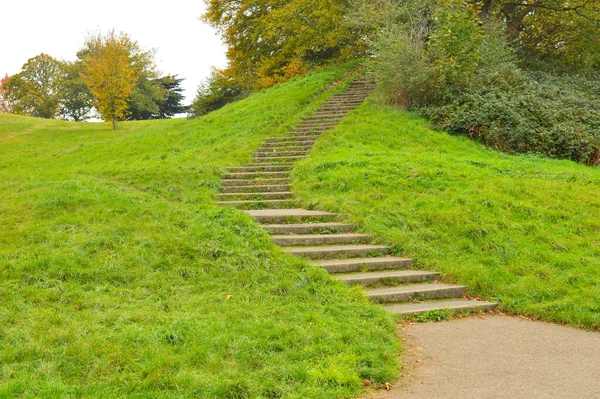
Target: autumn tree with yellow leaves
[111, 72]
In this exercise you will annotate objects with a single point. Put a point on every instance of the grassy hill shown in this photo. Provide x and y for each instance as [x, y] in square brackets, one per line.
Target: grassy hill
[119, 277]
[523, 230]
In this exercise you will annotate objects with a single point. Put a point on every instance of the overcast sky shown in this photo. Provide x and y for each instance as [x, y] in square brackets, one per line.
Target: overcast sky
[184, 45]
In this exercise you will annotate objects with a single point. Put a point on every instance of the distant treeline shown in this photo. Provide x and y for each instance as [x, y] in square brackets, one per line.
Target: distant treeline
[112, 74]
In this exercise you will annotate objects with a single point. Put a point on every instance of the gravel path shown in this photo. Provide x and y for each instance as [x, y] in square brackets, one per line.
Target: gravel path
[498, 357]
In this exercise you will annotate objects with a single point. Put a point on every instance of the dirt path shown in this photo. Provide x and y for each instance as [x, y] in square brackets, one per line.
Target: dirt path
[498, 357]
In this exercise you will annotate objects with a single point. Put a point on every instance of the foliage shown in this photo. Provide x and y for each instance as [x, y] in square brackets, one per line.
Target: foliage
[269, 42]
[171, 104]
[551, 34]
[5, 106]
[35, 90]
[441, 59]
[112, 70]
[75, 99]
[115, 266]
[218, 90]
[520, 229]
[555, 116]
[159, 98]
[144, 101]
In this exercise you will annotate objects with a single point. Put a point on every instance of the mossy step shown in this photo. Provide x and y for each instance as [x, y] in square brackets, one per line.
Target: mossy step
[292, 215]
[364, 264]
[337, 251]
[256, 196]
[308, 228]
[253, 176]
[455, 306]
[291, 143]
[290, 139]
[258, 204]
[275, 188]
[293, 240]
[255, 182]
[278, 159]
[415, 292]
[260, 168]
[397, 276]
[279, 153]
[279, 148]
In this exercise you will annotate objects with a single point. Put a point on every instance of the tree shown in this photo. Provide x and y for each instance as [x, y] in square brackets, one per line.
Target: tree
[75, 99]
[270, 41]
[145, 99]
[218, 90]
[559, 33]
[5, 106]
[171, 105]
[111, 71]
[35, 90]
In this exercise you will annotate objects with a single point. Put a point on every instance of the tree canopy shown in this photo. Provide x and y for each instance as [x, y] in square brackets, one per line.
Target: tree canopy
[271, 41]
[111, 71]
[35, 90]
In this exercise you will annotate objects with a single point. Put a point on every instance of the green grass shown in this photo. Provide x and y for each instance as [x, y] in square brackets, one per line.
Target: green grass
[116, 266]
[522, 230]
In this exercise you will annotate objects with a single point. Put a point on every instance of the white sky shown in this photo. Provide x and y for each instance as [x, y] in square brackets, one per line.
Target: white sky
[184, 45]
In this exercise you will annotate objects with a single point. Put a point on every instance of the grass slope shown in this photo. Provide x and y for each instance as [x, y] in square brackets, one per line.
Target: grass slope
[116, 266]
[518, 229]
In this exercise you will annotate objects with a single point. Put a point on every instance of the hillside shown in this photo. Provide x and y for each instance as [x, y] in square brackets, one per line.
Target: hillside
[120, 277]
[522, 230]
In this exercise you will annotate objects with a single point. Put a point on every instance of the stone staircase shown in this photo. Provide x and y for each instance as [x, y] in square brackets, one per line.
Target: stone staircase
[263, 189]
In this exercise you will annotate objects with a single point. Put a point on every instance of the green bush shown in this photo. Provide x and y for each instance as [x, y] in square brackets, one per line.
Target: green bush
[441, 59]
[551, 115]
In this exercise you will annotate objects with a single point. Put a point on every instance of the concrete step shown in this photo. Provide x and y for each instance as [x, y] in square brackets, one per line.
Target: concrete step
[311, 131]
[415, 292]
[337, 251]
[291, 143]
[395, 277]
[259, 204]
[261, 168]
[276, 160]
[308, 228]
[336, 110]
[280, 148]
[456, 306]
[279, 153]
[293, 215]
[364, 264]
[291, 139]
[255, 182]
[295, 240]
[255, 196]
[256, 175]
[313, 121]
[275, 188]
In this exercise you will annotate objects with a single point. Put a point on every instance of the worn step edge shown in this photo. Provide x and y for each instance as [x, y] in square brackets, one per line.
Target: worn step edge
[364, 264]
[397, 276]
[255, 182]
[319, 239]
[257, 189]
[330, 251]
[308, 228]
[256, 196]
[407, 293]
[258, 203]
[456, 306]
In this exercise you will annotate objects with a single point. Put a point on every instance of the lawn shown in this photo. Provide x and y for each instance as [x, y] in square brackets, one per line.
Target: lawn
[522, 230]
[120, 277]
